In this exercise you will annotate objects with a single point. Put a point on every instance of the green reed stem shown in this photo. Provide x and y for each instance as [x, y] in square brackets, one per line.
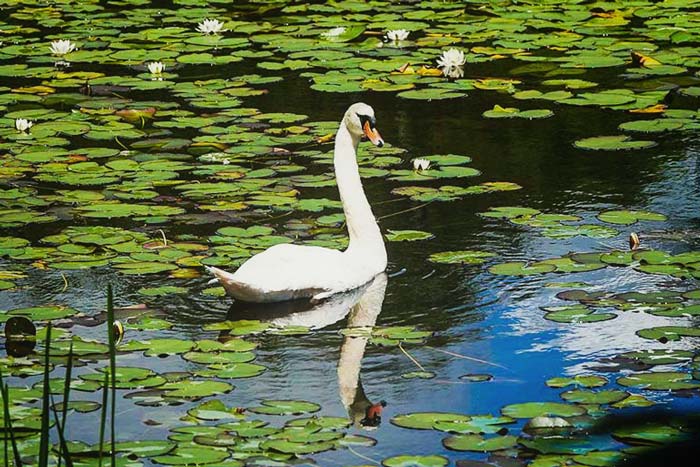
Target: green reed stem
[112, 370]
[8, 423]
[103, 418]
[5, 419]
[63, 452]
[66, 398]
[44, 440]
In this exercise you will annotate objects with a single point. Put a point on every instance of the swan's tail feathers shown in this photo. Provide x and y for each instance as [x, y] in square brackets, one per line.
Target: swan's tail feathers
[233, 288]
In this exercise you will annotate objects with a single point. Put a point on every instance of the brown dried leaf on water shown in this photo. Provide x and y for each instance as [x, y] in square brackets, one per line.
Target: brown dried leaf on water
[405, 68]
[643, 60]
[653, 109]
[136, 115]
[429, 71]
[325, 138]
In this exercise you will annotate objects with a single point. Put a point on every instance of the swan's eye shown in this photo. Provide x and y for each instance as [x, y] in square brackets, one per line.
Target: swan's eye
[366, 118]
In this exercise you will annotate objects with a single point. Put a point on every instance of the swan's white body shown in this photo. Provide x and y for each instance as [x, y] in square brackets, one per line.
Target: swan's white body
[287, 272]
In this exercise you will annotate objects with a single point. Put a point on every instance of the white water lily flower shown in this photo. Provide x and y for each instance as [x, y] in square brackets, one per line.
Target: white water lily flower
[22, 124]
[396, 35]
[62, 47]
[210, 26]
[451, 63]
[156, 68]
[421, 164]
[335, 32]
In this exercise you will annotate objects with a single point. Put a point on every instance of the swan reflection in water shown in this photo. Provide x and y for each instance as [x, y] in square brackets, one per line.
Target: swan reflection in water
[362, 307]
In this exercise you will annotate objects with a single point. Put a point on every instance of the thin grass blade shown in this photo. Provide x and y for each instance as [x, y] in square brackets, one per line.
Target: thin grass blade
[61, 437]
[44, 440]
[112, 371]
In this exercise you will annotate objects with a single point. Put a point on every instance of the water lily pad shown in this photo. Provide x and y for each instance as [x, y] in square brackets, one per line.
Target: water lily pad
[285, 407]
[426, 420]
[650, 434]
[415, 461]
[668, 333]
[418, 375]
[407, 235]
[461, 257]
[231, 371]
[520, 268]
[659, 381]
[630, 217]
[479, 443]
[651, 126]
[586, 381]
[477, 424]
[582, 396]
[192, 456]
[612, 143]
[289, 447]
[536, 409]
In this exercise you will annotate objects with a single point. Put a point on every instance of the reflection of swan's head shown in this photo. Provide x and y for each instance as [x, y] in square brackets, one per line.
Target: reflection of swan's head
[360, 120]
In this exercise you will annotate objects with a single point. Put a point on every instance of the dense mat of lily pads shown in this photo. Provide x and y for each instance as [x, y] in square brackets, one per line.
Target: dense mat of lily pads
[130, 122]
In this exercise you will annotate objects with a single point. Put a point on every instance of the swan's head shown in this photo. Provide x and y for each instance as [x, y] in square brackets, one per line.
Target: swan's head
[359, 120]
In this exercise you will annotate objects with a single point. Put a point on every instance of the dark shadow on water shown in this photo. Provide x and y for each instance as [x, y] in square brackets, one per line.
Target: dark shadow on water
[678, 452]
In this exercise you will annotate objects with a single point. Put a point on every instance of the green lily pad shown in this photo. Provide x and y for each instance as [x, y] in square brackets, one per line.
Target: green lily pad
[651, 126]
[289, 447]
[285, 407]
[231, 371]
[408, 235]
[630, 217]
[520, 268]
[195, 389]
[668, 333]
[612, 143]
[581, 396]
[659, 381]
[418, 375]
[537, 409]
[40, 313]
[586, 381]
[479, 443]
[415, 461]
[650, 434]
[461, 257]
[192, 456]
[477, 424]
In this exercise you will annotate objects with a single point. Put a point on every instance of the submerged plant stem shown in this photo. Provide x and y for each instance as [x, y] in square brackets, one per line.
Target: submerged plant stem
[404, 211]
[466, 358]
[361, 456]
[411, 358]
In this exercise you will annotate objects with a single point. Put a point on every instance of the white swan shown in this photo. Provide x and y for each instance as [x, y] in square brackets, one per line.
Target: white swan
[287, 272]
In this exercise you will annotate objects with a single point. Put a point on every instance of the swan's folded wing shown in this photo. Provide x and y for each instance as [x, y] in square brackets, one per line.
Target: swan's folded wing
[286, 272]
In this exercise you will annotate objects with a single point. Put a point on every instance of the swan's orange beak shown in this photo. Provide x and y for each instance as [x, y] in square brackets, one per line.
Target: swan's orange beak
[372, 134]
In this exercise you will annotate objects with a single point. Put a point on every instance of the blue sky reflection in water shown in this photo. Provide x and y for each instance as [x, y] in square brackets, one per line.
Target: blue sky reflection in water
[470, 311]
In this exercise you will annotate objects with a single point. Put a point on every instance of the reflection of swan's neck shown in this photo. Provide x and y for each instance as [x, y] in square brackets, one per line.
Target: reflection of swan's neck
[365, 237]
[363, 314]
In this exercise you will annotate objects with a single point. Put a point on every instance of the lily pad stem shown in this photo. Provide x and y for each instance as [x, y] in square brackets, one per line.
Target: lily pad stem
[466, 358]
[411, 358]
[165, 240]
[361, 456]
[116, 139]
[404, 211]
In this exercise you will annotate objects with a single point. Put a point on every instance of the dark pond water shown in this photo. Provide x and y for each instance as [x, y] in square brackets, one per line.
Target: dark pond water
[480, 322]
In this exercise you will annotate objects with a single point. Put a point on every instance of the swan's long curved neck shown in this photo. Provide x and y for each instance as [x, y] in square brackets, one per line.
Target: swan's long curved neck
[365, 236]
